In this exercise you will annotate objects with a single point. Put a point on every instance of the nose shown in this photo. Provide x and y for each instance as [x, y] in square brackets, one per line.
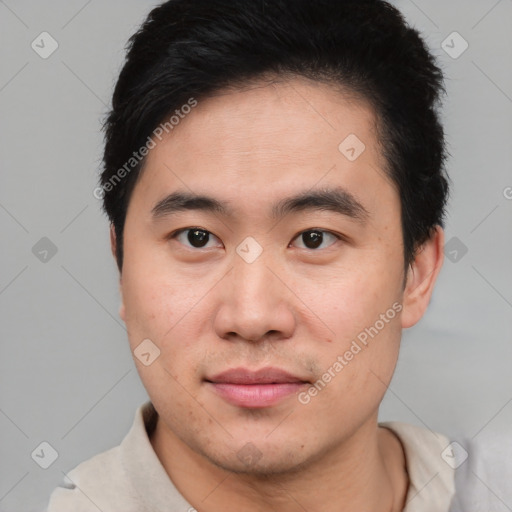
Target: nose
[255, 302]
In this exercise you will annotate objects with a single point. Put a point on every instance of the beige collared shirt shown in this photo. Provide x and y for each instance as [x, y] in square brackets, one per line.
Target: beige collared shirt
[130, 477]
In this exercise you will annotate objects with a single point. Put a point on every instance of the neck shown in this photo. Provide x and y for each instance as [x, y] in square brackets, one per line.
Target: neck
[366, 472]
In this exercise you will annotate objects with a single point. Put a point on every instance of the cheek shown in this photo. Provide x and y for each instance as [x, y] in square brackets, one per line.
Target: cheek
[147, 303]
[361, 309]
[152, 298]
[166, 308]
[357, 372]
[350, 300]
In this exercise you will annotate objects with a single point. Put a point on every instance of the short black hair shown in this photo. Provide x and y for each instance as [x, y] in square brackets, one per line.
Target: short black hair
[188, 49]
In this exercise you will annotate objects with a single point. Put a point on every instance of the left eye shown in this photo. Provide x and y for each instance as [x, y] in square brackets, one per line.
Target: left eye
[313, 238]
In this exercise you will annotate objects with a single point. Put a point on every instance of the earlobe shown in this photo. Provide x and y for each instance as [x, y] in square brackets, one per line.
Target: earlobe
[421, 277]
[122, 311]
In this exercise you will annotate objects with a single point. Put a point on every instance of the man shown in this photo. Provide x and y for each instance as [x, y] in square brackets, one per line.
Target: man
[275, 185]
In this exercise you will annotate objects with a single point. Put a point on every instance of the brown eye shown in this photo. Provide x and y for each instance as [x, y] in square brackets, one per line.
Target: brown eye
[196, 238]
[313, 238]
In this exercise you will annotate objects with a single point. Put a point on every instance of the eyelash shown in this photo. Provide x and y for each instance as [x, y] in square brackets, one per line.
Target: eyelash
[176, 233]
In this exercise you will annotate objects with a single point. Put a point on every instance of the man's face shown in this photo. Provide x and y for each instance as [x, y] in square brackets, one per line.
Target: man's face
[211, 302]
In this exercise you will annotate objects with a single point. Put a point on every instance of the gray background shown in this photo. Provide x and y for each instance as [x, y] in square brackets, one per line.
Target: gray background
[67, 376]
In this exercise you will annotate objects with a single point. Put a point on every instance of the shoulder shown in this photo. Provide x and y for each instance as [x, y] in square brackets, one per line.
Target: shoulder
[470, 473]
[483, 473]
[95, 484]
[106, 481]
[431, 478]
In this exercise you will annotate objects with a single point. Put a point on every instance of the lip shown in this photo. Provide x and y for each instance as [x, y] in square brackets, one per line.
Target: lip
[255, 389]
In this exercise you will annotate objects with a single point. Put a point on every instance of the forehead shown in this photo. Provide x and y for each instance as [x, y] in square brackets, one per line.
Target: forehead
[292, 120]
[268, 139]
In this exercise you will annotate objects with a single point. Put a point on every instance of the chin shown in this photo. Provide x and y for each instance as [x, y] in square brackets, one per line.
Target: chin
[260, 461]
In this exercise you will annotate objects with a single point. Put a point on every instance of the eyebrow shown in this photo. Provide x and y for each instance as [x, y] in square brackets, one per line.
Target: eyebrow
[337, 200]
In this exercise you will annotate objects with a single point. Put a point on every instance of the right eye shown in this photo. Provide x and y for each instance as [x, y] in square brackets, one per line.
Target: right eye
[198, 238]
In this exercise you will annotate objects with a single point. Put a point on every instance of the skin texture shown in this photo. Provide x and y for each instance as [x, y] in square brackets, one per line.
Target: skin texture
[294, 307]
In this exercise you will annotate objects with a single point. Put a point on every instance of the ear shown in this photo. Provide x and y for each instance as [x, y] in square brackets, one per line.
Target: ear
[113, 247]
[421, 277]
[113, 240]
